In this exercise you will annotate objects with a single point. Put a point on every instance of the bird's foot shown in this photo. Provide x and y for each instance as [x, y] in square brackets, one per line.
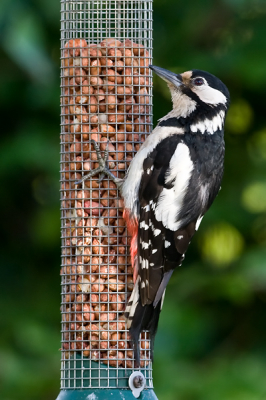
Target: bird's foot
[102, 169]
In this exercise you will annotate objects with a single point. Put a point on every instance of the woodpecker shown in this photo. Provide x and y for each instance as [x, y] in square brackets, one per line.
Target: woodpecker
[170, 184]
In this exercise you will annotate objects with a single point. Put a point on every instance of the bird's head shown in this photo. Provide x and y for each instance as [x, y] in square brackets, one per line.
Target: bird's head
[196, 95]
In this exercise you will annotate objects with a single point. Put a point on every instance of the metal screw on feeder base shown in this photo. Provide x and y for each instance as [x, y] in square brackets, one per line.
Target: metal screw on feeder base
[136, 383]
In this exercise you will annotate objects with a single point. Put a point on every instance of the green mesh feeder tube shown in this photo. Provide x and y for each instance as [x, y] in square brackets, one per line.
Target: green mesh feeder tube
[106, 102]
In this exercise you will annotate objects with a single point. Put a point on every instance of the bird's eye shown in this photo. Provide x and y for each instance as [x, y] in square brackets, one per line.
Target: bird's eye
[198, 81]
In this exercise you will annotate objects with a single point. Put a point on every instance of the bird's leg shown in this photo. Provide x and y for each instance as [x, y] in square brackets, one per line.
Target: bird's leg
[102, 169]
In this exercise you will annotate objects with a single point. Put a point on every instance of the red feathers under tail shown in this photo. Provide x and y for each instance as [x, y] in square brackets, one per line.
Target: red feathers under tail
[132, 226]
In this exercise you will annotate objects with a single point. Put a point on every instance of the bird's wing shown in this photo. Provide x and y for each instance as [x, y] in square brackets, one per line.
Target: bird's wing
[164, 183]
[174, 194]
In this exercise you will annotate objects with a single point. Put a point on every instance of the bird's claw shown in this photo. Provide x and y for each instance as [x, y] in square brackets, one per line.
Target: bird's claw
[102, 169]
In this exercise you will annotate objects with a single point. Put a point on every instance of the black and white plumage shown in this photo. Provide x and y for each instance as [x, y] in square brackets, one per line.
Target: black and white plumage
[171, 183]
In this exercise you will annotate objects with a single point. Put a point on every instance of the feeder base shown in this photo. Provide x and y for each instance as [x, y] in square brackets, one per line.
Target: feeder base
[104, 394]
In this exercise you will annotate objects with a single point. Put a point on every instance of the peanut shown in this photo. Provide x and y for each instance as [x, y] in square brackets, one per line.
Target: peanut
[74, 46]
[98, 285]
[95, 67]
[124, 90]
[116, 302]
[88, 314]
[92, 107]
[98, 309]
[116, 118]
[114, 53]
[118, 65]
[116, 285]
[85, 88]
[107, 62]
[95, 81]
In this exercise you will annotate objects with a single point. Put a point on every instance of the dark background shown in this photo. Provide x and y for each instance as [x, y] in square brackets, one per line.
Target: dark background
[211, 343]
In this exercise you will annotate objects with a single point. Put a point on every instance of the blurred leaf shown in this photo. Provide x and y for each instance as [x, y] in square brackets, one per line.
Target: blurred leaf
[35, 338]
[221, 244]
[218, 378]
[45, 190]
[23, 41]
[239, 117]
[23, 377]
[32, 149]
[257, 146]
[259, 229]
[253, 267]
[46, 227]
[253, 197]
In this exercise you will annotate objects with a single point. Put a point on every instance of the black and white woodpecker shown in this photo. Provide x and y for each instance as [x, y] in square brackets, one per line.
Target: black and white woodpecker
[169, 186]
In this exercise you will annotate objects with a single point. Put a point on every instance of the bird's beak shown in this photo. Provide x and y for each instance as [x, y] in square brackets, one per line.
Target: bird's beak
[168, 76]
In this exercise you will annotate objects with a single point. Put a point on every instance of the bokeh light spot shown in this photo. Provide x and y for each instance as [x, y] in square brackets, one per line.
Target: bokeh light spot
[239, 117]
[254, 197]
[257, 146]
[221, 244]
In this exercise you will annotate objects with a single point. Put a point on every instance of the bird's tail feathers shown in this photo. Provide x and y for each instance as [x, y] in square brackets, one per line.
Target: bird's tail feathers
[162, 287]
[140, 318]
[132, 304]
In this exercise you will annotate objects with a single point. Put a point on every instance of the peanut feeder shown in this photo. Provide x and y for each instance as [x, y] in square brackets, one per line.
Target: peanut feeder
[106, 97]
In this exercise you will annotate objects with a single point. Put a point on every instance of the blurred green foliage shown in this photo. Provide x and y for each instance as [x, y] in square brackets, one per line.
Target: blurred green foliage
[211, 343]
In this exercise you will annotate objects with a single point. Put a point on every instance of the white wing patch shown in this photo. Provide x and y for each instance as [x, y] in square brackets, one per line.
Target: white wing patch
[147, 207]
[152, 204]
[145, 264]
[145, 245]
[171, 200]
[143, 225]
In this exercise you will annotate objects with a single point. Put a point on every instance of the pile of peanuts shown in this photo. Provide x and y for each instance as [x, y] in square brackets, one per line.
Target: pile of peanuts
[106, 91]
[105, 98]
